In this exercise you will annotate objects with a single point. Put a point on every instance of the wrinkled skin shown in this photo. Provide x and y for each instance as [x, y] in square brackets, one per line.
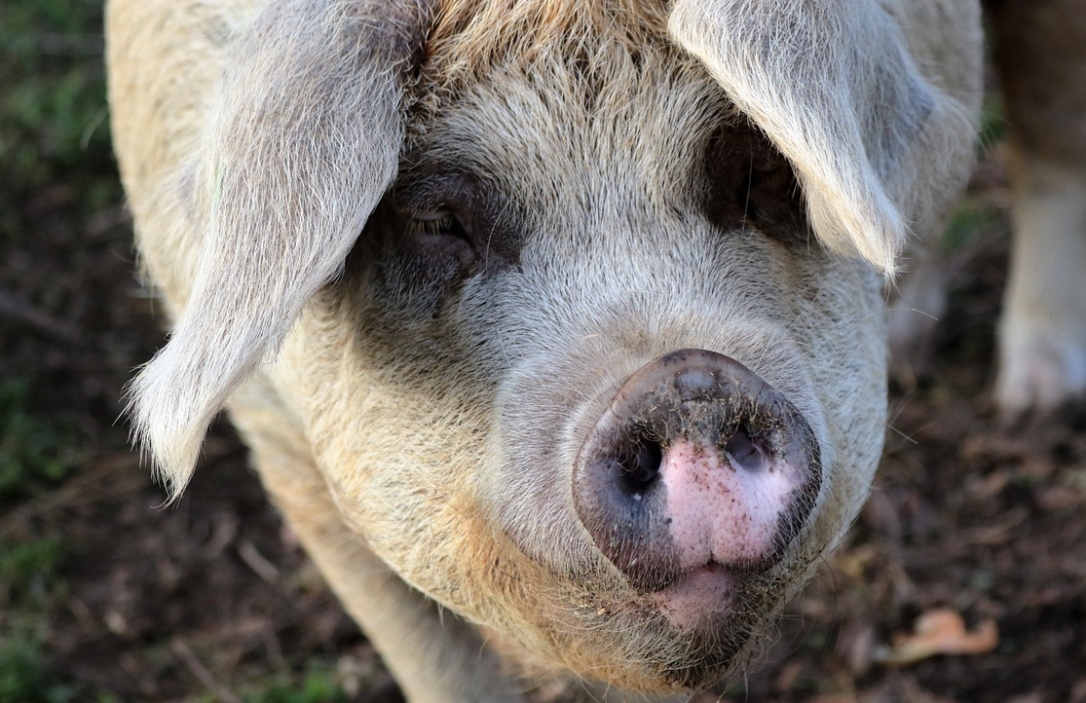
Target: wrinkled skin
[548, 223]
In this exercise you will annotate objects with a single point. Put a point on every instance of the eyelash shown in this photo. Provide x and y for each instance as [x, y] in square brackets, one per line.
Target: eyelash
[446, 224]
[439, 224]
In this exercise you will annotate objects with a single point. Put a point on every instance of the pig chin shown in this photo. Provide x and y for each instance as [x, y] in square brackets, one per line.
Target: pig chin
[686, 637]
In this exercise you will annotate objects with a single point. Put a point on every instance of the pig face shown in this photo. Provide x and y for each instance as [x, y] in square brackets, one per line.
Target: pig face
[509, 335]
[585, 342]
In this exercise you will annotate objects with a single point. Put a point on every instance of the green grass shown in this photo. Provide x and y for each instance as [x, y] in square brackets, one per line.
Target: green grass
[318, 684]
[24, 675]
[970, 220]
[54, 137]
[28, 569]
[53, 110]
[993, 123]
[53, 115]
[34, 454]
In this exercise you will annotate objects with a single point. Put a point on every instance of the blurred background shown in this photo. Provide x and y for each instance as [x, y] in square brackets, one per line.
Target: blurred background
[107, 596]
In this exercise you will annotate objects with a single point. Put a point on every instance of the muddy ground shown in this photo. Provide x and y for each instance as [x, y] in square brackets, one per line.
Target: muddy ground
[106, 596]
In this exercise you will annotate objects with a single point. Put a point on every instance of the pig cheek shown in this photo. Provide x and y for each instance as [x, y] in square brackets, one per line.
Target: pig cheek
[526, 482]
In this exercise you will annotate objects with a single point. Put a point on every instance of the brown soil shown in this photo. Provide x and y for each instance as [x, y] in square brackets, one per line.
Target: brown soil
[213, 599]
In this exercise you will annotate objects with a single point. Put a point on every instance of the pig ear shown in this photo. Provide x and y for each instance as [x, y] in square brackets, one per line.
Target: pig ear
[833, 86]
[303, 141]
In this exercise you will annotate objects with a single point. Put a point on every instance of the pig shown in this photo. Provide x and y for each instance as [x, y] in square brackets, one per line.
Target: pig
[556, 328]
[1040, 54]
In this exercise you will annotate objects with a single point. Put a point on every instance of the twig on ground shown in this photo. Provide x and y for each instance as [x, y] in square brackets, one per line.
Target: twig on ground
[257, 562]
[105, 476]
[222, 693]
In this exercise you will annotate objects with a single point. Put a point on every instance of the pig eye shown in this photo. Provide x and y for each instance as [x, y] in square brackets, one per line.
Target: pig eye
[443, 232]
[750, 184]
[439, 223]
[457, 217]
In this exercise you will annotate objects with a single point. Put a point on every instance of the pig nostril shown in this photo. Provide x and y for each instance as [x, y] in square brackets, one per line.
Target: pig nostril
[744, 452]
[640, 468]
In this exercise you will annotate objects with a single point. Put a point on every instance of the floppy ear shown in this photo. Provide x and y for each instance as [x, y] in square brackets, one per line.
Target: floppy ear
[303, 142]
[875, 145]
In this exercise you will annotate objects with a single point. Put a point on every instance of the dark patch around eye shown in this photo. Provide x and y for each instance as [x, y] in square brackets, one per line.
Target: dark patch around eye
[437, 208]
[430, 234]
[749, 184]
[407, 279]
[442, 234]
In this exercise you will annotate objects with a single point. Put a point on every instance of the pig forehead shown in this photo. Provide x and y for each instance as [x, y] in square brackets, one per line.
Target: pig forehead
[637, 126]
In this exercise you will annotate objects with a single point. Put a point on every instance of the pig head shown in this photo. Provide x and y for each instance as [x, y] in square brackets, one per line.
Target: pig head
[564, 317]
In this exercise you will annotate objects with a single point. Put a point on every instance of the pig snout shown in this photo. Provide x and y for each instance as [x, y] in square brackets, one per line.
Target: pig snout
[698, 472]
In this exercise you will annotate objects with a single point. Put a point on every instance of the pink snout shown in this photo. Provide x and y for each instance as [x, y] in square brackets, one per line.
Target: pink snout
[699, 472]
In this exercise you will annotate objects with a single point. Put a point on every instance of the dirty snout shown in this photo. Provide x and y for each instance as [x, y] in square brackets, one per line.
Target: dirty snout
[697, 474]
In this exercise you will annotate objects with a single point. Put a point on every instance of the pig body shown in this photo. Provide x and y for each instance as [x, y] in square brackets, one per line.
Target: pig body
[555, 328]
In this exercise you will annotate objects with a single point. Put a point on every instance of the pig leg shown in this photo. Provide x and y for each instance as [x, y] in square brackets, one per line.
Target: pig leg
[435, 656]
[1041, 54]
[1042, 354]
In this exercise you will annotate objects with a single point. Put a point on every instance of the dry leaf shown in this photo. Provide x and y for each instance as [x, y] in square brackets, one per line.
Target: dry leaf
[939, 632]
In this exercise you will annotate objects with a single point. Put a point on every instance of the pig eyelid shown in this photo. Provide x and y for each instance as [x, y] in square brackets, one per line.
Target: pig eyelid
[436, 192]
[438, 222]
[432, 216]
[438, 204]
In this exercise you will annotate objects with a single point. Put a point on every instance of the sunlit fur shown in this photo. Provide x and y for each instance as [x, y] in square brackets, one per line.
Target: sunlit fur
[420, 439]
